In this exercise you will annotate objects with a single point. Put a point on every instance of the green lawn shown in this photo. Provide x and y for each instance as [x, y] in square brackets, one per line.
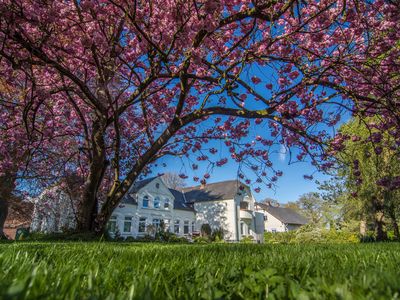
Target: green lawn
[238, 271]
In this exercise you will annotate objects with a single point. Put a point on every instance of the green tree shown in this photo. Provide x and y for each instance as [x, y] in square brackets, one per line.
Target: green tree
[369, 164]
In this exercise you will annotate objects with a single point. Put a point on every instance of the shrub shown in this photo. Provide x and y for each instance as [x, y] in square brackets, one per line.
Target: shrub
[247, 239]
[201, 240]
[205, 230]
[217, 235]
[310, 234]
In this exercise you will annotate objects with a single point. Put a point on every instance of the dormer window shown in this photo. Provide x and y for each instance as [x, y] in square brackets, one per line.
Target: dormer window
[156, 202]
[166, 203]
[145, 203]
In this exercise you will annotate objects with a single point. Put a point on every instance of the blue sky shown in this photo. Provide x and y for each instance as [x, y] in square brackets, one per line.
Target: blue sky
[288, 188]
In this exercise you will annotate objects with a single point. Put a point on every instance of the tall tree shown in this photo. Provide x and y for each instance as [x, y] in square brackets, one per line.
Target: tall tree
[144, 79]
[370, 165]
[173, 180]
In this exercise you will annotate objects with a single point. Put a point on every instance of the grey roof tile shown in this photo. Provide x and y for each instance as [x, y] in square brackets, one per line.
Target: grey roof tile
[223, 190]
[284, 214]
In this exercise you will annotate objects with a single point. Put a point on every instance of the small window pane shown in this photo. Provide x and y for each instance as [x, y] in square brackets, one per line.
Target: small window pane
[156, 202]
[176, 226]
[145, 202]
[186, 227]
[142, 225]
[166, 203]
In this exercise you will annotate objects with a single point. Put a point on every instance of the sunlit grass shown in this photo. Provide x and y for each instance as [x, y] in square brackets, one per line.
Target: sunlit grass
[155, 271]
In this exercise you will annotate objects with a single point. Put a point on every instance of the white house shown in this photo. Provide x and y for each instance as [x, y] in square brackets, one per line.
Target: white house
[227, 205]
[280, 219]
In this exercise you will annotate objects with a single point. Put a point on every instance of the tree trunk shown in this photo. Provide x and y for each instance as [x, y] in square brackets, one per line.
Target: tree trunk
[380, 225]
[363, 227]
[395, 229]
[395, 225]
[87, 210]
[3, 216]
[7, 184]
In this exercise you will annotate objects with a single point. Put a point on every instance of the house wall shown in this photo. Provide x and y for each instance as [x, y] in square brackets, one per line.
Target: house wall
[218, 214]
[272, 224]
[154, 189]
[223, 214]
[169, 217]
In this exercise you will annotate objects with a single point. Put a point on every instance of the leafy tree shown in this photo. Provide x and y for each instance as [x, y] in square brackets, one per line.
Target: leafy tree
[130, 82]
[311, 205]
[370, 166]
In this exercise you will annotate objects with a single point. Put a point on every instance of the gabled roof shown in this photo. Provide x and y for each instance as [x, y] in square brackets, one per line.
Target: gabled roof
[142, 183]
[179, 201]
[223, 190]
[284, 214]
[128, 198]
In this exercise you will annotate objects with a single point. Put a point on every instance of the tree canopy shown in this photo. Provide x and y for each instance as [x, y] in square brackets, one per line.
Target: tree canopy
[125, 83]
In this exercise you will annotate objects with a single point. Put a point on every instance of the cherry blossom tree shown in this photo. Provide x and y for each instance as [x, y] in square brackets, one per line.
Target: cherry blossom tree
[133, 81]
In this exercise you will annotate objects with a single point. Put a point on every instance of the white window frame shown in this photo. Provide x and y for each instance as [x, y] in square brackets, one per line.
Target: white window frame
[142, 221]
[166, 203]
[157, 201]
[186, 225]
[113, 220]
[193, 226]
[156, 223]
[147, 198]
[128, 219]
[177, 225]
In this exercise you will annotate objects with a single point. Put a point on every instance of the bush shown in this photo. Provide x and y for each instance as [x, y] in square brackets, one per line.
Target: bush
[201, 240]
[205, 230]
[217, 235]
[247, 239]
[309, 234]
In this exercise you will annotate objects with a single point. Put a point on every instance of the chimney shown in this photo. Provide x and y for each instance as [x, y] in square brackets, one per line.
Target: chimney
[203, 184]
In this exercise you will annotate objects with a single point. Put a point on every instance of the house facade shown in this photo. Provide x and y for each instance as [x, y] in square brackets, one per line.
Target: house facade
[280, 219]
[227, 205]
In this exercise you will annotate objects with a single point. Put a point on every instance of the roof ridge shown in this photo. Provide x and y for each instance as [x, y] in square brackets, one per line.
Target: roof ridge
[208, 184]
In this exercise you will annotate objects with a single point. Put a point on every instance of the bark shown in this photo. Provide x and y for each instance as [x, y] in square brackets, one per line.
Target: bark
[393, 219]
[87, 210]
[7, 184]
[380, 224]
[3, 216]
[118, 191]
[395, 229]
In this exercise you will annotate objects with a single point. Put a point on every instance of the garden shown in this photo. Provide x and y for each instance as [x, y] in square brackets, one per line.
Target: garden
[104, 270]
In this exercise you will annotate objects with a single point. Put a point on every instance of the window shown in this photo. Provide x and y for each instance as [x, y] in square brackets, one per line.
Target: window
[176, 226]
[193, 227]
[156, 223]
[186, 227]
[145, 202]
[248, 230]
[157, 185]
[273, 230]
[128, 224]
[167, 224]
[156, 202]
[241, 228]
[265, 218]
[142, 224]
[112, 224]
[166, 203]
